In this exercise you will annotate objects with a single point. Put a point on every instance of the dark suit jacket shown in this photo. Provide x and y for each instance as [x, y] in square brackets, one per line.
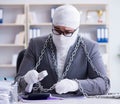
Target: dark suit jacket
[80, 69]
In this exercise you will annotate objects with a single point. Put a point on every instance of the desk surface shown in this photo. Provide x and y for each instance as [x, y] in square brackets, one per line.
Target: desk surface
[76, 101]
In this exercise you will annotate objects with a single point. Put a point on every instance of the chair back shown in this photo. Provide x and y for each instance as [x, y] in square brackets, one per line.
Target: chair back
[19, 59]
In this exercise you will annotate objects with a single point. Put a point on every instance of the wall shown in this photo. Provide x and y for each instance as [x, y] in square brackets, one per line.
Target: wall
[115, 44]
[114, 34]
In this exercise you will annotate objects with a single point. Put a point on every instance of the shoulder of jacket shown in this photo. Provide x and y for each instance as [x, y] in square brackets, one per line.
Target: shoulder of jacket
[89, 42]
[39, 39]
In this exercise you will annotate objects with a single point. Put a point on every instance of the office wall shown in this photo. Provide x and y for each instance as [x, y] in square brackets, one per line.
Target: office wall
[115, 44]
[114, 34]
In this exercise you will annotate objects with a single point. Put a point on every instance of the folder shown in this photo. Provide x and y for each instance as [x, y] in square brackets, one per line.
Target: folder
[19, 39]
[1, 15]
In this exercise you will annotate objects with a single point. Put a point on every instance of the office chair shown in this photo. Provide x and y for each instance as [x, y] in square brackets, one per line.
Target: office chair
[19, 59]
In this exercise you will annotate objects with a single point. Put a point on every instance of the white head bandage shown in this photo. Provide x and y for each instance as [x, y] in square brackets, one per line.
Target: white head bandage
[66, 15]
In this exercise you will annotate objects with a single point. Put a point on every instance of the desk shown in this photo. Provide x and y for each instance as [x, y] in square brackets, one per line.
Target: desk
[77, 101]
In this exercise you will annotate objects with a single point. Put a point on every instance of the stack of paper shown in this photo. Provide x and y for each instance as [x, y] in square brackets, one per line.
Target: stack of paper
[20, 19]
[33, 18]
[4, 92]
[14, 59]
[19, 39]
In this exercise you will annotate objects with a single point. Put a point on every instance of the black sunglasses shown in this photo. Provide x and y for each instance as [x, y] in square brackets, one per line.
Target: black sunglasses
[65, 33]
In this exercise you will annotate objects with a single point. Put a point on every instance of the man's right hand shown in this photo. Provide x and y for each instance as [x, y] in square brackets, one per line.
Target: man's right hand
[31, 77]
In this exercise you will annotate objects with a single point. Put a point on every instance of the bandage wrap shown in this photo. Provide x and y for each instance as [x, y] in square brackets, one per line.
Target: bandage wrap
[31, 77]
[66, 85]
[66, 15]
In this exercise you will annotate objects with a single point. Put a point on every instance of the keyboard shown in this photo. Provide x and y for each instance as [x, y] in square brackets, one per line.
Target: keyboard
[109, 95]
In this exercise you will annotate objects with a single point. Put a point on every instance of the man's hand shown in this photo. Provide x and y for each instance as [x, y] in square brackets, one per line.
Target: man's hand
[31, 77]
[66, 85]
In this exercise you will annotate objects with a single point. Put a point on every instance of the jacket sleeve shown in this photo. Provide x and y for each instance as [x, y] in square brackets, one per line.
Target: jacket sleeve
[95, 84]
[26, 65]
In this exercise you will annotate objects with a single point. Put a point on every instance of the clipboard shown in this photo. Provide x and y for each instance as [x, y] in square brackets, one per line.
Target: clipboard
[35, 96]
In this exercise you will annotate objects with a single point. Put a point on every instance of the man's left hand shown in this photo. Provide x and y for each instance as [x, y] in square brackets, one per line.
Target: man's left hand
[66, 85]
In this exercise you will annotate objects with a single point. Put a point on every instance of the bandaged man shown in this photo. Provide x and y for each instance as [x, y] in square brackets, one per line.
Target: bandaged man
[73, 64]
